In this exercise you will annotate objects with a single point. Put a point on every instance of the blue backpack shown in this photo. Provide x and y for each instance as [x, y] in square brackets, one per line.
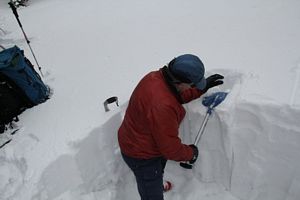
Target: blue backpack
[21, 86]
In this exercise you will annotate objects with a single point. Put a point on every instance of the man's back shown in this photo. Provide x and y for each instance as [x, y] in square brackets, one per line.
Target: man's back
[153, 114]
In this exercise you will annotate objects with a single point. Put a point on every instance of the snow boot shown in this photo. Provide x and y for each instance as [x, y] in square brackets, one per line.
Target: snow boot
[167, 186]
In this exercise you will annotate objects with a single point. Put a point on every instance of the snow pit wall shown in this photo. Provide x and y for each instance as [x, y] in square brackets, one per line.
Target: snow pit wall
[252, 149]
[266, 152]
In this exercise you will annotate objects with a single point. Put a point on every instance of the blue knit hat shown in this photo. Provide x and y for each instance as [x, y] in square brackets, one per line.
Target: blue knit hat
[189, 68]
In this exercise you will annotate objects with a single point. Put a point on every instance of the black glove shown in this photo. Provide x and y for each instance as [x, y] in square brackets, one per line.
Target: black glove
[213, 81]
[195, 153]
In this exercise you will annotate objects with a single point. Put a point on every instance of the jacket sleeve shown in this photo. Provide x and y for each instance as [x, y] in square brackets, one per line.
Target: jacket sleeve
[164, 128]
[190, 94]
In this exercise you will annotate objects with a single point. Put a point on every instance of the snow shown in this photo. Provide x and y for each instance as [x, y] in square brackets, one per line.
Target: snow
[66, 148]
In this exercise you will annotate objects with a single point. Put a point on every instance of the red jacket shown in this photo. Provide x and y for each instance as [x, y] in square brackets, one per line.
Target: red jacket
[152, 119]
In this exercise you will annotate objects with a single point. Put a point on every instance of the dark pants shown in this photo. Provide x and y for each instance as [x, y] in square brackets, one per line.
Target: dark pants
[149, 176]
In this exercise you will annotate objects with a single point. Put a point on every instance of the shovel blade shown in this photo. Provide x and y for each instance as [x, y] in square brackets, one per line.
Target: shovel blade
[214, 99]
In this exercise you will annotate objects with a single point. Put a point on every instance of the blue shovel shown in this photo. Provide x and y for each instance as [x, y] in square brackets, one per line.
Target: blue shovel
[210, 102]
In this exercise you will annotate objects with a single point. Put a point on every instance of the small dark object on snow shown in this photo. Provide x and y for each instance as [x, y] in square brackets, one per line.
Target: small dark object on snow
[109, 101]
[5, 143]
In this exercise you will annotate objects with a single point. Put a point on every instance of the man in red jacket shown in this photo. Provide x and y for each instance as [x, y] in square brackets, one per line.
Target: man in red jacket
[148, 135]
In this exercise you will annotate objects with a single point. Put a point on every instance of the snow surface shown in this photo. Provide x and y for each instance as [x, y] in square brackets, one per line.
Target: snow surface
[67, 149]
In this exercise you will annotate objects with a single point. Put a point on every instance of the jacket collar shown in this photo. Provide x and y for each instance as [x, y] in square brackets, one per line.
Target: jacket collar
[171, 80]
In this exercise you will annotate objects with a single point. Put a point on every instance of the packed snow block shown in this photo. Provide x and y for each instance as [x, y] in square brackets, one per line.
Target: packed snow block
[99, 156]
[93, 171]
[266, 150]
[214, 160]
[250, 148]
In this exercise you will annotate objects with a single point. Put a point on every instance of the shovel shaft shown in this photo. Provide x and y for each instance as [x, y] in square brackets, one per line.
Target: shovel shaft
[201, 130]
[186, 164]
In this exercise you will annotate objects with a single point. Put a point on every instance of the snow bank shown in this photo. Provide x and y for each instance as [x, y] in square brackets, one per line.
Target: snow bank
[96, 171]
[252, 149]
[265, 157]
[248, 151]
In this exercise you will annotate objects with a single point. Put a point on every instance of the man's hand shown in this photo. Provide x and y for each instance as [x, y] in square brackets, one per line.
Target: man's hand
[195, 153]
[189, 164]
[213, 81]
